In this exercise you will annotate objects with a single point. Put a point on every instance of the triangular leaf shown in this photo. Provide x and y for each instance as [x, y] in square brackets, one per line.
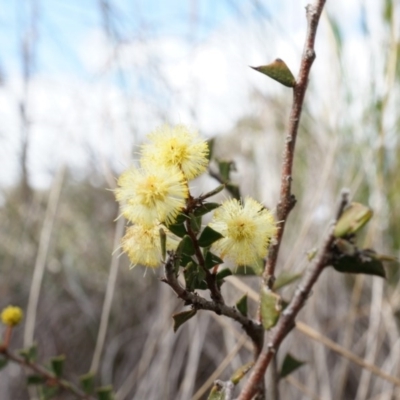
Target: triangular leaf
[244, 270]
[181, 317]
[177, 229]
[208, 237]
[286, 278]
[206, 208]
[3, 362]
[239, 374]
[194, 277]
[279, 71]
[57, 365]
[211, 260]
[271, 307]
[359, 265]
[241, 305]
[233, 190]
[352, 220]
[105, 393]
[35, 380]
[87, 382]
[225, 168]
[289, 365]
[221, 275]
[195, 223]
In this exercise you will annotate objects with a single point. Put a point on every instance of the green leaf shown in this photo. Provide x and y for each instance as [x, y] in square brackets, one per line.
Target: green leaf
[87, 382]
[241, 305]
[105, 393]
[239, 374]
[35, 380]
[244, 270]
[286, 278]
[206, 208]
[163, 243]
[194, 277]
[271, 307]
[278, 71]
[181, 317]
[29, 354]
[208, 237]
[233, 190]
[211, 260]
[360, 263]
[210, 144]
[178, 229]
[195, 223]
[221, 275]
[352, 220]
[225, 168]
[57, 365]
[185, 246]
[49, 392]
[289, 365]
[217, 392]
[3, 362]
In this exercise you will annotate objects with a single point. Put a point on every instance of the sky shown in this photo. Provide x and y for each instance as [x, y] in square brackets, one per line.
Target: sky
[103, 74]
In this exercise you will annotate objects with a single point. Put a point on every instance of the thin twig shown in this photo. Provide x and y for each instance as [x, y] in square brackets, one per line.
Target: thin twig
[49, 378]
[253, 329]
[287, 321]
[286, 198]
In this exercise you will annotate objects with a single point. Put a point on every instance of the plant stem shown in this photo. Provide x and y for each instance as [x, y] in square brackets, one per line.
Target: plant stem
[253, 329]
[287, 321]
[286, 199]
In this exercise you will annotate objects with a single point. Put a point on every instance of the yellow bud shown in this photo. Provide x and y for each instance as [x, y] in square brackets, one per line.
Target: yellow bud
[11, 316]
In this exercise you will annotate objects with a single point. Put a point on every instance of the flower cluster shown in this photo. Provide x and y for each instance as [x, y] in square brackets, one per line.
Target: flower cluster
[157, 192]
[247, 229]
[153, 196]
[11, 316]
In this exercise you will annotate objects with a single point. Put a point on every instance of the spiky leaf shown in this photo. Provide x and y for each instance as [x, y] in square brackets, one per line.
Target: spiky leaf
[181, 317]
[208, 237]
[57, 365]
[352, 220]
[241, 305]
[286, 278]
[279, 71]
[271, 307]
[289, 365]
[87, 382]
[239, 374]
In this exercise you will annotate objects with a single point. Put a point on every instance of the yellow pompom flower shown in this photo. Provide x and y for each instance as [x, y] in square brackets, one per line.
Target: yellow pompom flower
[143, 246]
[152, 195]
[176, 146]
[11, 316]
[247, 228]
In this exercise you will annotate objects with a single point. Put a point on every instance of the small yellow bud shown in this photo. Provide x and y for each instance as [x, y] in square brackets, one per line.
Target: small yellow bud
[11, 316]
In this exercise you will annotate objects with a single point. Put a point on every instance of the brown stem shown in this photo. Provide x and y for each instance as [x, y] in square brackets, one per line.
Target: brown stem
[287, 321]
[286, 198]
[253, 329]
[49, 378]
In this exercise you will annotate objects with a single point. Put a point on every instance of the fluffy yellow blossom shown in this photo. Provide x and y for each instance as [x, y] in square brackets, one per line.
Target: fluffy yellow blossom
[247, 229]
[152, 195]
[176, 146]
[11, 316]
[143, 246]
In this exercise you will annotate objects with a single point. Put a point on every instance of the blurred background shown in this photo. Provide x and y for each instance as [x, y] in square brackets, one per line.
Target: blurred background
[82, 83]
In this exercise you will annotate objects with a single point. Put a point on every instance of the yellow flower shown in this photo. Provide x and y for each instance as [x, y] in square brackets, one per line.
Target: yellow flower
[153, 195]
[143, 246]
[11, 316]
[247, 229]
[176, 146]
